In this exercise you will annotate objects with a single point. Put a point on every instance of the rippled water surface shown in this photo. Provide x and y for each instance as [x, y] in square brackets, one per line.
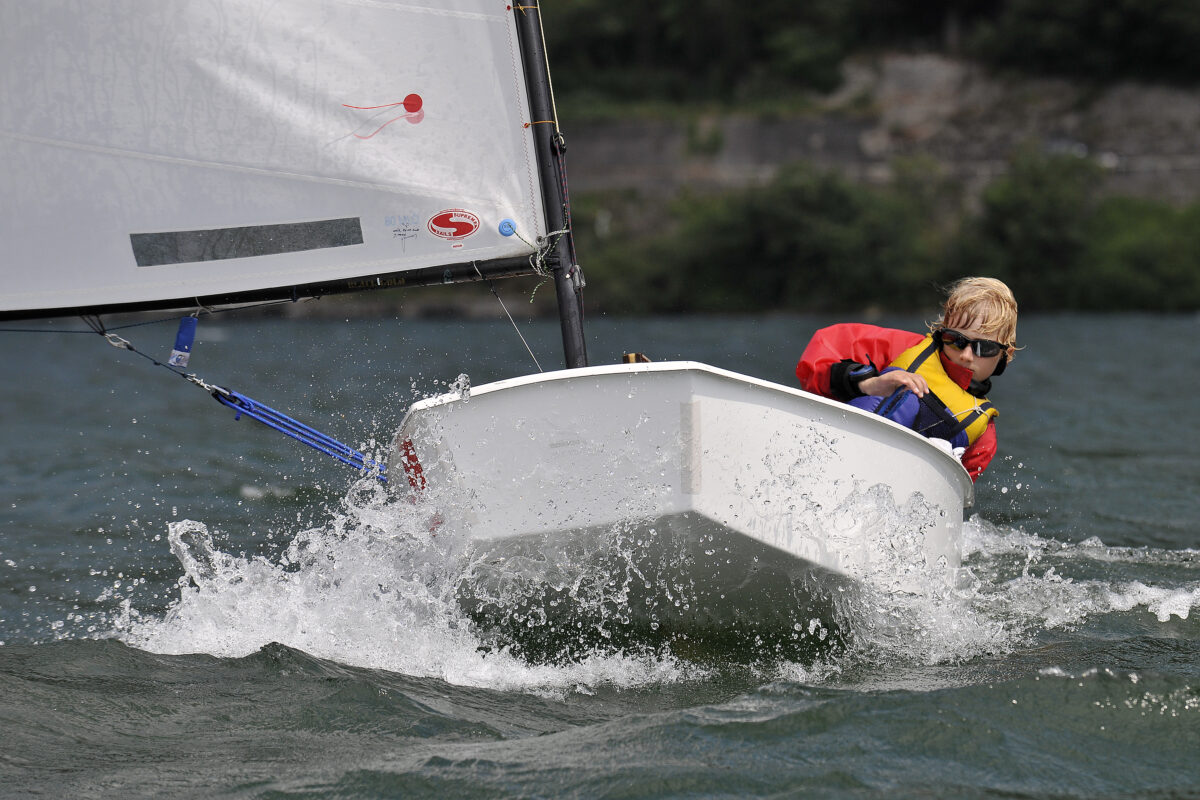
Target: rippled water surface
[193, 606]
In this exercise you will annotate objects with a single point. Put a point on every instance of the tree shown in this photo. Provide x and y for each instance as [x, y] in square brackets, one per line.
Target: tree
[1033, 230]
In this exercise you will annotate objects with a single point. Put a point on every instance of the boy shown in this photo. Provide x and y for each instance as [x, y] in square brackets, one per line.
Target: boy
[936, 384]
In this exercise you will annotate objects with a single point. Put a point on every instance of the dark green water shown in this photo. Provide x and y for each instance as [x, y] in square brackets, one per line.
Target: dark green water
[322, 655]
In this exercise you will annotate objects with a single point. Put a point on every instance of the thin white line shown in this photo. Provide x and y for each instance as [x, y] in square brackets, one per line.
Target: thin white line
[191, 162]
[437, 12]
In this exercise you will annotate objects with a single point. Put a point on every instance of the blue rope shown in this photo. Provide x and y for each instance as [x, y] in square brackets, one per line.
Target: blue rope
[251, 408]
[298, 431]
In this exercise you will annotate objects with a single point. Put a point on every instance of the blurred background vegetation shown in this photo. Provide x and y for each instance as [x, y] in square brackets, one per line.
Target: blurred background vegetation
[674, 50]
[816, 240]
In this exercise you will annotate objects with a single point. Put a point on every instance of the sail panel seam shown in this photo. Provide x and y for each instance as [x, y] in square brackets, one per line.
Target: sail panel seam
[195, 162]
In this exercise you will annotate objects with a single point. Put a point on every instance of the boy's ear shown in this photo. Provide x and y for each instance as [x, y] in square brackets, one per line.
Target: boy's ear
[1001, 364]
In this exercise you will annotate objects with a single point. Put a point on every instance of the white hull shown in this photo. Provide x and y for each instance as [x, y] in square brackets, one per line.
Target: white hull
[711, 480]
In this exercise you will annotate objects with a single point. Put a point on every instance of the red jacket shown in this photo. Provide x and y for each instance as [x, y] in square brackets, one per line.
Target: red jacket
[870, 344]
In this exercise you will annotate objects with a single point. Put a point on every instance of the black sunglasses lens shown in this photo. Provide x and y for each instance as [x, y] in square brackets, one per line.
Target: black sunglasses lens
[984, 348]
[955, 339]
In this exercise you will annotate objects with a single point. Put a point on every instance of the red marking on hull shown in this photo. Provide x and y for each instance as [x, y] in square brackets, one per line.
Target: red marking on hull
[412, 465]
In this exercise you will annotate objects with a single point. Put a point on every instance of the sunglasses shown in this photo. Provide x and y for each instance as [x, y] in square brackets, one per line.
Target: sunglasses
[984, 348]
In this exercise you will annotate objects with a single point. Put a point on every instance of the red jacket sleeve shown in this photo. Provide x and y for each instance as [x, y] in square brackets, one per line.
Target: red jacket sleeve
[871, 344]
[979, 455]
[866, 344]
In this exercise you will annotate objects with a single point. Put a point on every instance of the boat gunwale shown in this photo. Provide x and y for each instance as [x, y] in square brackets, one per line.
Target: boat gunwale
[690, 366]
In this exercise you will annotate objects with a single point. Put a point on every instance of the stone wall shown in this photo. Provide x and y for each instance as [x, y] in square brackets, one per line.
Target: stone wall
[1146, 137]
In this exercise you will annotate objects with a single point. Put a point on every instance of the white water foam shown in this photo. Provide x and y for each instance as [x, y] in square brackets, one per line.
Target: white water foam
[1016, 585]
[375, 587]
[1041, 594]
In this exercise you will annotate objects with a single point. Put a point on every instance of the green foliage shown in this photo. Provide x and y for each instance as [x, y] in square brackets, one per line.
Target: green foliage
[700, 51]
[1044, 231]
[926, 24]
[811, 240]
[1096, 40]
[606, 56]
[1033, 229]
[621, 251]
[808, 240]
[1143, 254]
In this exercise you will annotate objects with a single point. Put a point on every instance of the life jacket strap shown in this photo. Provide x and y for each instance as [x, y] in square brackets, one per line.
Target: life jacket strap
[957, 426]
[922, 356]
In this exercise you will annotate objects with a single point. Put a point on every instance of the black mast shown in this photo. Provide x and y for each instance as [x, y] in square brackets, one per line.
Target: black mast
[549, 147]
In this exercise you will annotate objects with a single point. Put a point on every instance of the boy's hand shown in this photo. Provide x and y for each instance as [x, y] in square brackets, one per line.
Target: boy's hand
[883, 385]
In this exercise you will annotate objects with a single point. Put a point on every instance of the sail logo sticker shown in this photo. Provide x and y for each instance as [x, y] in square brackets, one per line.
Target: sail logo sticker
[453, 224]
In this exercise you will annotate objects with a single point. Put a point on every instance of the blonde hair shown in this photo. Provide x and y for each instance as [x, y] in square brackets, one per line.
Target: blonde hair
[983, 303]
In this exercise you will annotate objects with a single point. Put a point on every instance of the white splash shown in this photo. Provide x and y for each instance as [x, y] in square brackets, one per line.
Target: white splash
[374, 588]
[1016, 585]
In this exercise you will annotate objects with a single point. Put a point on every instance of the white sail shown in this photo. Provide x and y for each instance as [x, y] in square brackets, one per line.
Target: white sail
[161, 150]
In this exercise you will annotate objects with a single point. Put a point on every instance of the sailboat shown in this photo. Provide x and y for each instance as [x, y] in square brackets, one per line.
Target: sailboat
[173, 154]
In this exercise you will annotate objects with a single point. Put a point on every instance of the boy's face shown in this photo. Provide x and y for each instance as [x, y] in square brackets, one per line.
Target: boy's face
[982, 368]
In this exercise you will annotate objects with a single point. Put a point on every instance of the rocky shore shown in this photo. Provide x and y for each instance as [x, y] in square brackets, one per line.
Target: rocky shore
[889, 106]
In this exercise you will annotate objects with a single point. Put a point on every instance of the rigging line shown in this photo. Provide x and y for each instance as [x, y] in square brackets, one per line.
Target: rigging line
[296, 430]
[124, 344]
[268, 416]
[205, 309]
[202, 308]
[40, 330]
[546, 61]
[537, 261]
[510, 318]
[540, 265]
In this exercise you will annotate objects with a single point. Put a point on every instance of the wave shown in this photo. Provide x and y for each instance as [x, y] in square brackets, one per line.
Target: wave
[380, 586]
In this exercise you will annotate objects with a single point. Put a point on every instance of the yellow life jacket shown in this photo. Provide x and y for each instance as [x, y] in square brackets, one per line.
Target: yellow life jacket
[952, 407]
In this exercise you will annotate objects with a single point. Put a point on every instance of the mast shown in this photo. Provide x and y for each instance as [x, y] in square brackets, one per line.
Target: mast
[549, 148]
